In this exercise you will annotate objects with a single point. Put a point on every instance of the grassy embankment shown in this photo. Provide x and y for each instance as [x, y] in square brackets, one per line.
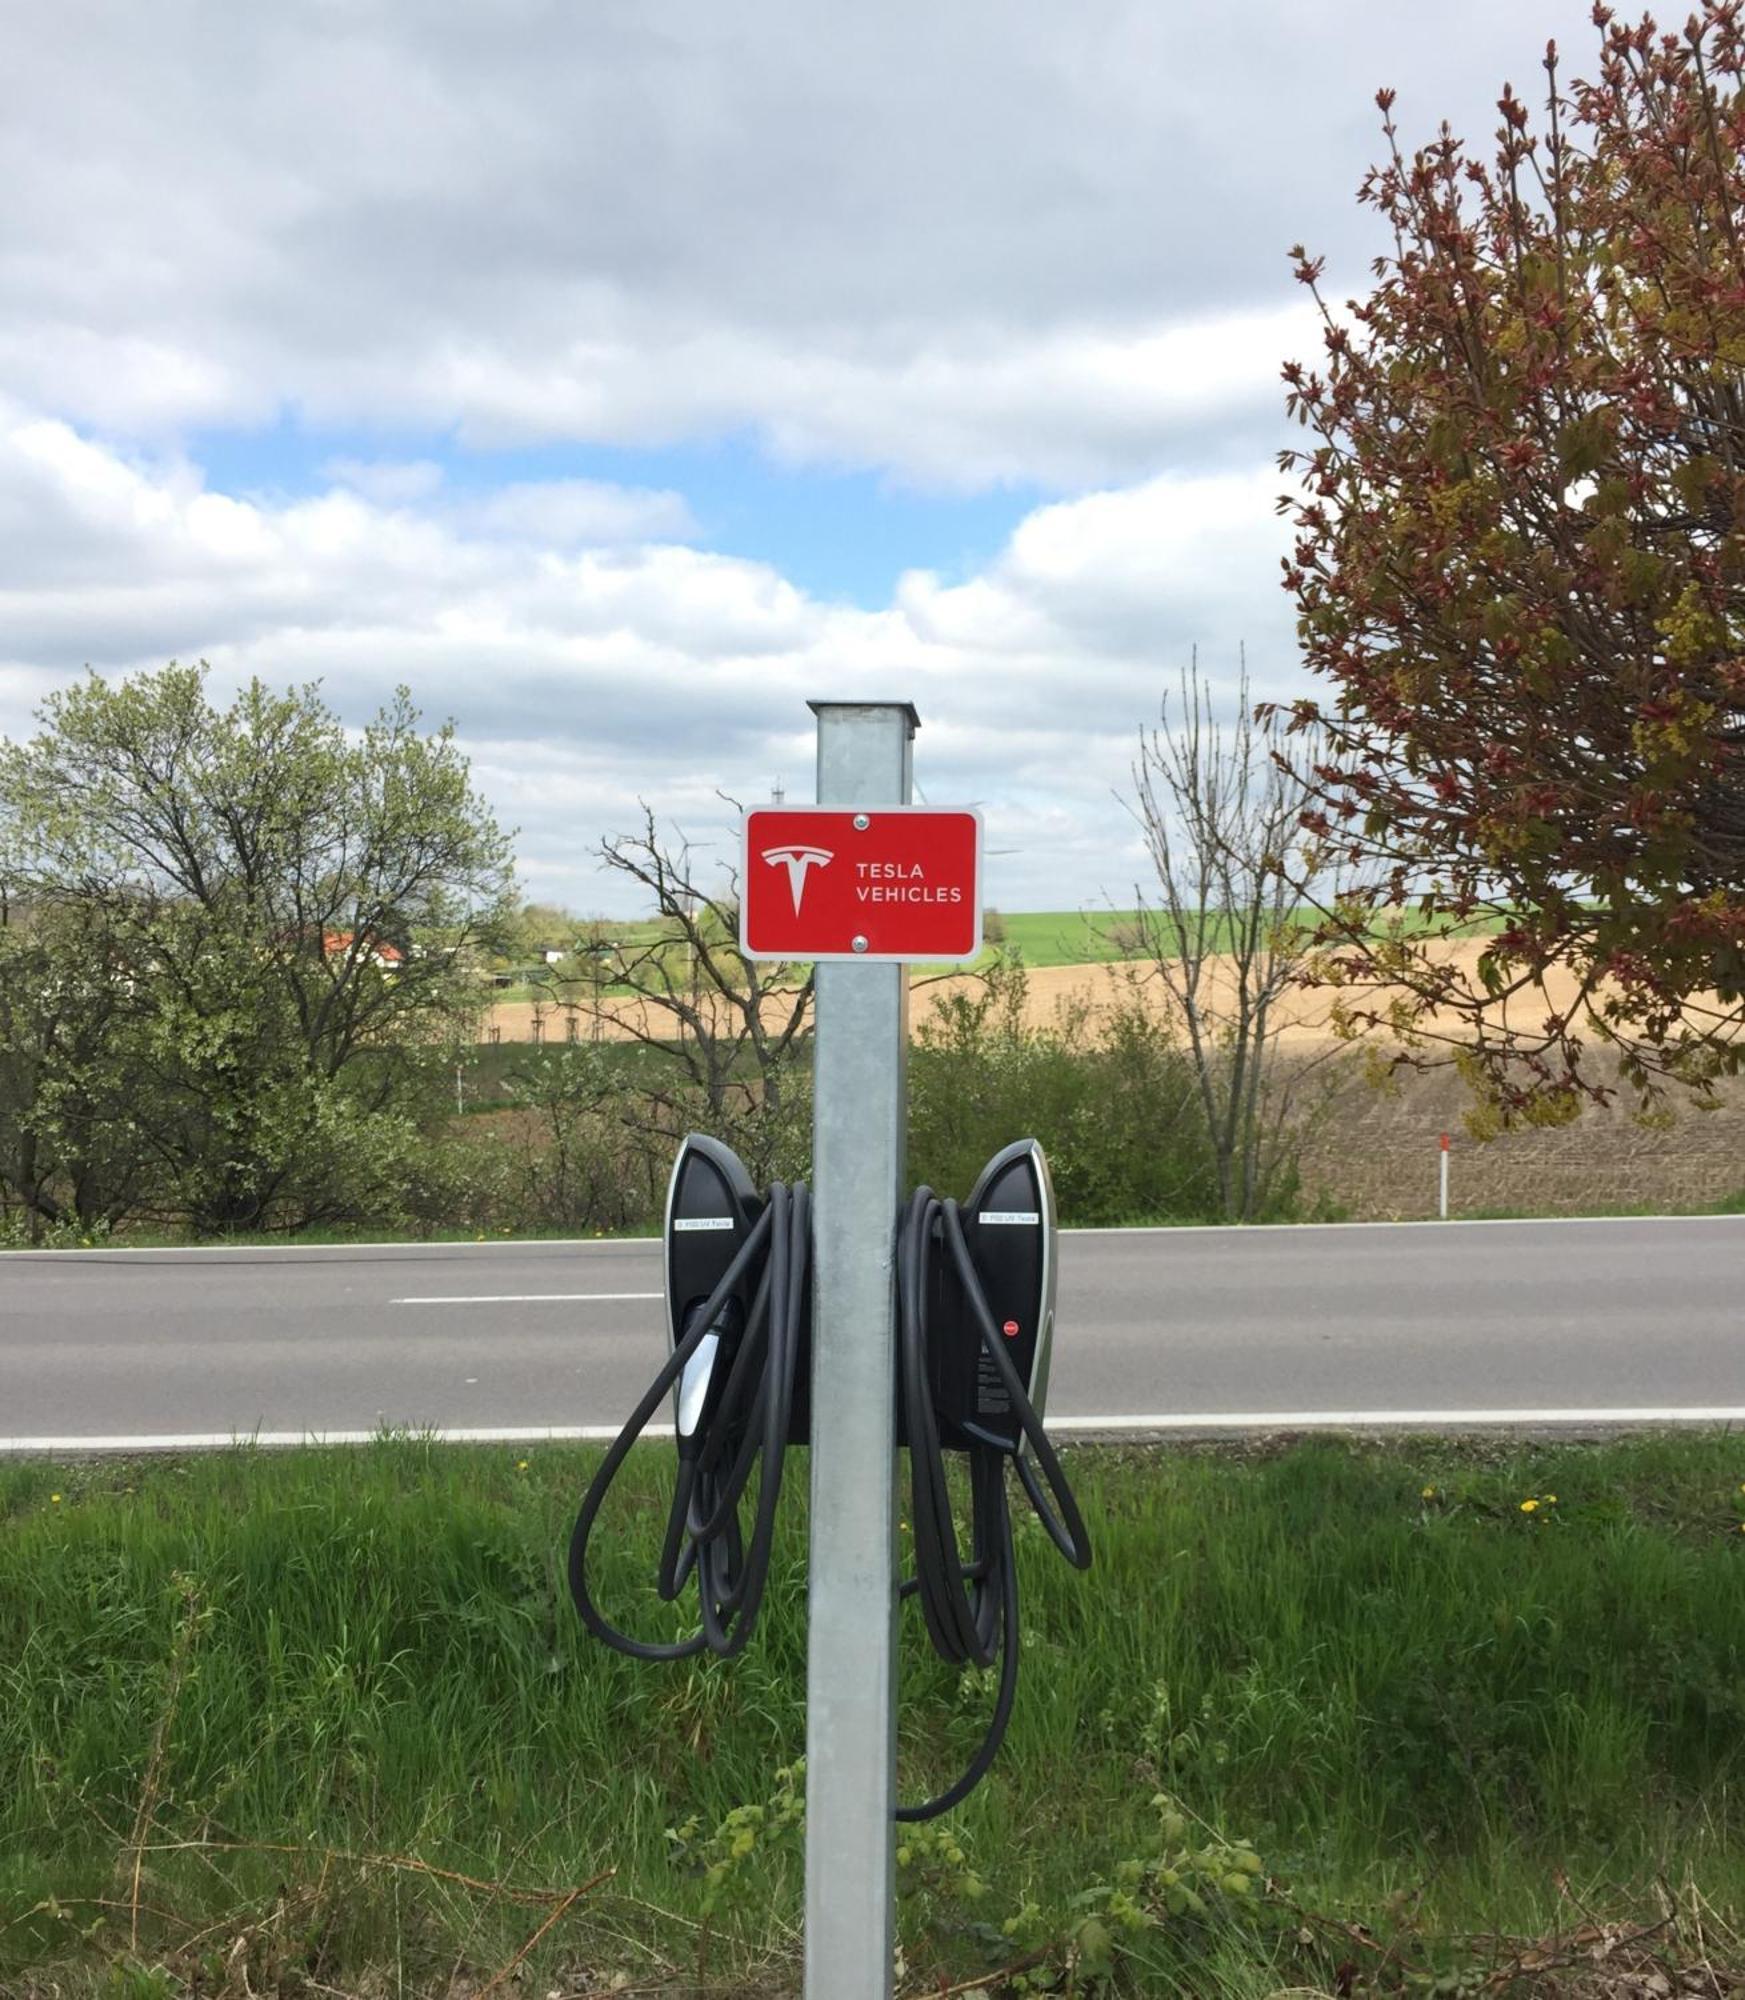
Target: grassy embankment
[325, 1722]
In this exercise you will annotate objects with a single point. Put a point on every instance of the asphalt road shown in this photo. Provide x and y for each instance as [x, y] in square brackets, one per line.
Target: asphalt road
[1167, 1328]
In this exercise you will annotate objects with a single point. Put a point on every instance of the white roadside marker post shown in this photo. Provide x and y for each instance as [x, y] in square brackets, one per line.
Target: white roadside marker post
[1442, 1191]
[858, 1132]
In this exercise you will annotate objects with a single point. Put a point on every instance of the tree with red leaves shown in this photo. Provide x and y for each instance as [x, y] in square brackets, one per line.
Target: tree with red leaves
[1520, 563]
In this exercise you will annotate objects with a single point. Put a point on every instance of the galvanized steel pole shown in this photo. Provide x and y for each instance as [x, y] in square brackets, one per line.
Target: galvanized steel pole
[858, 1130]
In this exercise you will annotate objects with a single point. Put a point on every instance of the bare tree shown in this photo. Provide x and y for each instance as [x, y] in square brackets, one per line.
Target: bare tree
[725, 1026]
[1224, 930]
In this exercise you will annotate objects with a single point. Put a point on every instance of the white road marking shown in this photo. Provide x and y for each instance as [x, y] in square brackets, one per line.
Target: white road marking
[1372, 1420]
[338, 1251]
[1415, 1222]
[525, 1298]
[1253, 1422]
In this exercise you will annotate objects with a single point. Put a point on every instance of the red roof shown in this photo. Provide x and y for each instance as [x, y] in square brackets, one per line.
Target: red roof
[335, 944]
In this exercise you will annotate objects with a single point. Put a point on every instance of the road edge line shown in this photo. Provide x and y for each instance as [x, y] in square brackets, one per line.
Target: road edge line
[1204, 1423]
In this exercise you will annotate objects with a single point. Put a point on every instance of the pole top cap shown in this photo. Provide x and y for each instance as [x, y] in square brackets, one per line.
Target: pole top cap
[906, 707]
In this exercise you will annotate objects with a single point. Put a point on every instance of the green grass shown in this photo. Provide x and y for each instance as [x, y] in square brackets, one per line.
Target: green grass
[1730, 1204]
[1066, 937]
[1094, 937]
[289, 1689]
[318, 1236]
[1057, 937]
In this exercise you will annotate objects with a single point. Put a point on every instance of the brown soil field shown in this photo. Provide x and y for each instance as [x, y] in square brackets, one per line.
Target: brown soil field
[1303, 1014]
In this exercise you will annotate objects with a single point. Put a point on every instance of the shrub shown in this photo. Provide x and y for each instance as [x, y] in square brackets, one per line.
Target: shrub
[1114, 1110]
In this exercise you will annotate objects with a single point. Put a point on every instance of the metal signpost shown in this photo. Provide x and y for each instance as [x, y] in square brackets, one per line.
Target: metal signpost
[858, 1131]
[858, 889]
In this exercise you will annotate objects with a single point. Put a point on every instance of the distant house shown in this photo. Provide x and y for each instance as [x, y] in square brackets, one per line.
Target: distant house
[378, 952]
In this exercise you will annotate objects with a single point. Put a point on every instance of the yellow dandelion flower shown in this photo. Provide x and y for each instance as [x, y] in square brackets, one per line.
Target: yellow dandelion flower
[521, 1465]
[1429, 1493]
[1551, 1499]
[54, 1499]
[1529, 1506]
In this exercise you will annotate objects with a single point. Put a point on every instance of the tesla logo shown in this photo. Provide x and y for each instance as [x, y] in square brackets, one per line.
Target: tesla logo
[796, 860]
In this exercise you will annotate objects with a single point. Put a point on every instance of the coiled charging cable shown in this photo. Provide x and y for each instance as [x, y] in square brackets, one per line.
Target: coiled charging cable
[970, 1609]
[743, 1425]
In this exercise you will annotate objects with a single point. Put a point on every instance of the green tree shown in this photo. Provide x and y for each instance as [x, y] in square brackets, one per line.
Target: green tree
[68, 1148]
[533, 929]
[1519, 565]
[290, 912]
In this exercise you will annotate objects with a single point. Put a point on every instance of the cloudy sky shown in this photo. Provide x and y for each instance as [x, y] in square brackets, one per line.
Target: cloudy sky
[620, 373]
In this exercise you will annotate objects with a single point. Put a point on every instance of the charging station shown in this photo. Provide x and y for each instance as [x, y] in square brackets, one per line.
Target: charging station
[855, 1322]
[1009, 1228]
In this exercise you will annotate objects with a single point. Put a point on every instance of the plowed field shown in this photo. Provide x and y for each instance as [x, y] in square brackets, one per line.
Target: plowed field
[1304, 1013]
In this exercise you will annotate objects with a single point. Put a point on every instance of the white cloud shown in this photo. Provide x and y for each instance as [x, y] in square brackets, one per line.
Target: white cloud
[389, 482]
[973, 243]
[957, 410]
[560, 513]
[569, 512]
[584, 677]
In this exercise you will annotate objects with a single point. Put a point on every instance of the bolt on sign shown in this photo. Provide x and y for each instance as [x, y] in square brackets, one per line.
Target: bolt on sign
[878, 882]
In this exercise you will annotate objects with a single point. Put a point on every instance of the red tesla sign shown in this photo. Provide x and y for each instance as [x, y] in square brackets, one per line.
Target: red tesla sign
[873, 882]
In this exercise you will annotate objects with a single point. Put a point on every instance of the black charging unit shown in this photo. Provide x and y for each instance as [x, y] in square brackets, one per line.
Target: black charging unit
[975, 1322]
[711, 1209]
[1009, 1229]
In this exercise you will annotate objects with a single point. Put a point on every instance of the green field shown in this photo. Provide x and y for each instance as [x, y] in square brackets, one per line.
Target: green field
[325, 1722]
[1067, 937]
[1042, 937]
[1086, 937]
